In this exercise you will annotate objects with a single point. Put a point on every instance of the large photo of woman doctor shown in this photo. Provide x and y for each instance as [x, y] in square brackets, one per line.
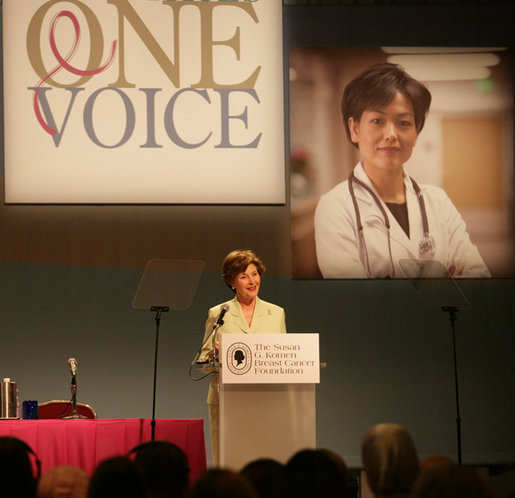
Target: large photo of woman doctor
[379, 216]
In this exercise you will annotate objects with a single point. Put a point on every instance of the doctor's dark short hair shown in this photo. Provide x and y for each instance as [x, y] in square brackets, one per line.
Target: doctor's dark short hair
[376, 88]
[236, 262]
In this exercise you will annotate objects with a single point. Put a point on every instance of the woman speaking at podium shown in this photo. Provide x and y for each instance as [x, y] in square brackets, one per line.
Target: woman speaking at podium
[244, 314]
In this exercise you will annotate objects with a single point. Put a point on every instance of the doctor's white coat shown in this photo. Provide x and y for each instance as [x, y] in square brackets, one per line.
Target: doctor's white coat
[341, 252]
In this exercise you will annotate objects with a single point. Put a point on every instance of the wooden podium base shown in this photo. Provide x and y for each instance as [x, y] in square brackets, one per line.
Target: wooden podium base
[265, 421]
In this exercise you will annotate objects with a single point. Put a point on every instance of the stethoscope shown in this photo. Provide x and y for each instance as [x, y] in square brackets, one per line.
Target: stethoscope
[426, 246]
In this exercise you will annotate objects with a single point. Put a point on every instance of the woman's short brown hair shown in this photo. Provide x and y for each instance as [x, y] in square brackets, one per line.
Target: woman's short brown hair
[376, 88]
[236, 262]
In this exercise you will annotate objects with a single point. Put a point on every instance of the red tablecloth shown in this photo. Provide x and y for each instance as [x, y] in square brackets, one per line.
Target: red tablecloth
[84, 443]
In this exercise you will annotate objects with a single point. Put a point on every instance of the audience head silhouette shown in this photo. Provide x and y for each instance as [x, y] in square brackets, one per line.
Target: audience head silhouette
[16, 472]
[63, 481]
[222, 483]
[164, 467]
[434, 461]
[116, 477]
[389, 459]
[266, 475]
[450, 480]
[315, 472]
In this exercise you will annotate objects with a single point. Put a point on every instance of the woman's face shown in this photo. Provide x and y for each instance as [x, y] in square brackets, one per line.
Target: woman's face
[246, 284]
[385, 137]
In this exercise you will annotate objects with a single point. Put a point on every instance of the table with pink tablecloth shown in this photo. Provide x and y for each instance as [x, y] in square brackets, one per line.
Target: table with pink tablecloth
[84, 443]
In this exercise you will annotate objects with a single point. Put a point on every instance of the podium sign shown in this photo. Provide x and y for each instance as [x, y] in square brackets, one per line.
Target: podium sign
[270, 359]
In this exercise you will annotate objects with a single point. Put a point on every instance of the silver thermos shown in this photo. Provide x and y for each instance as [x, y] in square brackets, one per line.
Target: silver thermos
[9, 399]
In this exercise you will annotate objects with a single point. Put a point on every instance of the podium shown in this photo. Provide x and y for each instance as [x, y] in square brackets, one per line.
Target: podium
[267, 396]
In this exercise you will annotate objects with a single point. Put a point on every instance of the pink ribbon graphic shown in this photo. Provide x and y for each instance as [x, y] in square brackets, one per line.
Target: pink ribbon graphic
[63, 63]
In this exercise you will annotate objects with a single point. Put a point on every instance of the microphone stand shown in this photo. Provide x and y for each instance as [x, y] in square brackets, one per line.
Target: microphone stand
[443, 293]
[158, 310]
[74, 414]
[452, 310]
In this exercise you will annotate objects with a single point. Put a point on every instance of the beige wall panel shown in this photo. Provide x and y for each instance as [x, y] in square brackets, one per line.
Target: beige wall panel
[472, 161]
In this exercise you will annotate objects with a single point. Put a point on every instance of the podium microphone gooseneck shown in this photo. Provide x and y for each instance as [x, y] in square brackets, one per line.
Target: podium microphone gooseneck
[219, 322]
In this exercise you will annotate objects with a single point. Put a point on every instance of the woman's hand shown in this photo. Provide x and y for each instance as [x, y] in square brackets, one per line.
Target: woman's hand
[456, 270]
[215, 352]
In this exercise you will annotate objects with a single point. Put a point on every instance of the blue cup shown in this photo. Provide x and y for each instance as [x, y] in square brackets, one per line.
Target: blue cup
[30, 410]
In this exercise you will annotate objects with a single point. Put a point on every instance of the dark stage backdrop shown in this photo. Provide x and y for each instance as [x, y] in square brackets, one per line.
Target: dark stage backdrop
[68, 275]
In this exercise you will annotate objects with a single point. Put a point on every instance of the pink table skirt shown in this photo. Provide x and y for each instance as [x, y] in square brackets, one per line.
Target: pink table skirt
[84, 443]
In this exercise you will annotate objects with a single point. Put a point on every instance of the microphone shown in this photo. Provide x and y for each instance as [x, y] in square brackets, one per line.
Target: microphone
[223, 310]
[72, 365]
